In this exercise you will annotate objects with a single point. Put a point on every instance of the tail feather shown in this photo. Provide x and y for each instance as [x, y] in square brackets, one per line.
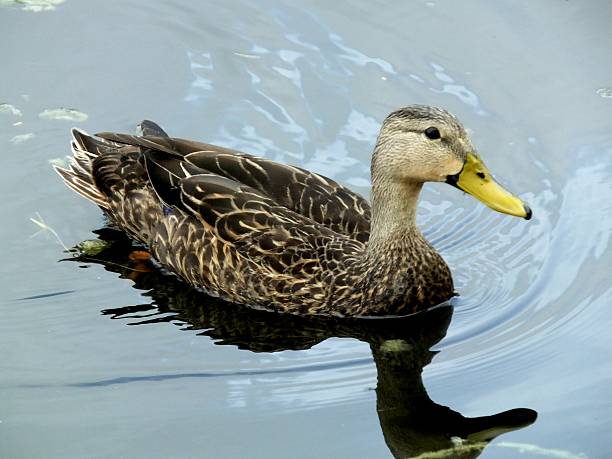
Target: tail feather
[149, 128]
[78, 176]
[104, 156]
[89, 145]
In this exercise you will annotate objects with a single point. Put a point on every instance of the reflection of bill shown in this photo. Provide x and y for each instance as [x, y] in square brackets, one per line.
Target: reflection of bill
[413, 425]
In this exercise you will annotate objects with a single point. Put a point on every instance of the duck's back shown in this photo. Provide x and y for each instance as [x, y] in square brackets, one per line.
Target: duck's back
[241, 227]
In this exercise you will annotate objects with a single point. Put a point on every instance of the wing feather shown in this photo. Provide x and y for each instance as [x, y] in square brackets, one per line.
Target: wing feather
[314, 196]
[317, 197]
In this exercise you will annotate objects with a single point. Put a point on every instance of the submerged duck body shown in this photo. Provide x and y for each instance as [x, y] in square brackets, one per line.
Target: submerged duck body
[274, 236]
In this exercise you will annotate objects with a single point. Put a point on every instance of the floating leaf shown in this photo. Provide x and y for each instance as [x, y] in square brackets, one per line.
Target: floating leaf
[605, 92]
[19, 138]
[60, 162]
[9, 109]
[67, 114]
[34, 6]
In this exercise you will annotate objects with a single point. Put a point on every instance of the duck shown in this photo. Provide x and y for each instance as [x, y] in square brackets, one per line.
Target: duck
[275, 236]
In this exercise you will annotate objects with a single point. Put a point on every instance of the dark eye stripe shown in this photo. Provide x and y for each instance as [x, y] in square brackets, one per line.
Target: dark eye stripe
[432, 133]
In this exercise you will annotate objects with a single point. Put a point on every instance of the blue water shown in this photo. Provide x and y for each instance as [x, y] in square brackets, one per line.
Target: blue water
[98, 364]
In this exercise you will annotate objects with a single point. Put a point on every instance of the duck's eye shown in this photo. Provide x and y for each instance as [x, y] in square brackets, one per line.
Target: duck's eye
[432, 133]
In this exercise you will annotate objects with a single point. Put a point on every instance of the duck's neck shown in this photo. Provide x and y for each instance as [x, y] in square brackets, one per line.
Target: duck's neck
[394, 207]
[401, 271]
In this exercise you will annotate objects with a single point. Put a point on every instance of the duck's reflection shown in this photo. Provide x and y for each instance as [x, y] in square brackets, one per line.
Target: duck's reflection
[413, 425]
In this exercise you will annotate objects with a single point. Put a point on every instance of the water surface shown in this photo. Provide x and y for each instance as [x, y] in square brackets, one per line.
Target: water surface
[93, 367]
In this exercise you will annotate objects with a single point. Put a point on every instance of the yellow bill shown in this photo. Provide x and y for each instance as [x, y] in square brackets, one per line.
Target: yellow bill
[475, 179]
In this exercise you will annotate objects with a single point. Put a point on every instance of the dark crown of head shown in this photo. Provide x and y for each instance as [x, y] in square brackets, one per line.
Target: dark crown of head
[422, 112]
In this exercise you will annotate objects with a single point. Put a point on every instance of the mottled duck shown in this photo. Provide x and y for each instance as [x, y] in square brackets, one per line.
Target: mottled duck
[274, 236]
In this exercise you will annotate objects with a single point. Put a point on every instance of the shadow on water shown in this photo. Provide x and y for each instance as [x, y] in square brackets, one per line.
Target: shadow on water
[413, 425]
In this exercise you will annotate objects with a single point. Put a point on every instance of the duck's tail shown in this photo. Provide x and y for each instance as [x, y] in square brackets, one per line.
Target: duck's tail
[79, 175]
[148, 127]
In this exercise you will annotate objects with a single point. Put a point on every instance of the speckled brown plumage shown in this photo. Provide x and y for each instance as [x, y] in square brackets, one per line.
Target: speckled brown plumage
[265, 234]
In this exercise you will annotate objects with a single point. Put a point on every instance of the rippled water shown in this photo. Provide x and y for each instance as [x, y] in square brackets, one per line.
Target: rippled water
[93, 367]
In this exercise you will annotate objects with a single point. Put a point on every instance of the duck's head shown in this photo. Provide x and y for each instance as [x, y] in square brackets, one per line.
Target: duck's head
[420, 144]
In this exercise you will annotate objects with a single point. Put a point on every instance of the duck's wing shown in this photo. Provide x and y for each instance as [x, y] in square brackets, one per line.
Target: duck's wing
[311, 195]
[318, 198]
[273, 237]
